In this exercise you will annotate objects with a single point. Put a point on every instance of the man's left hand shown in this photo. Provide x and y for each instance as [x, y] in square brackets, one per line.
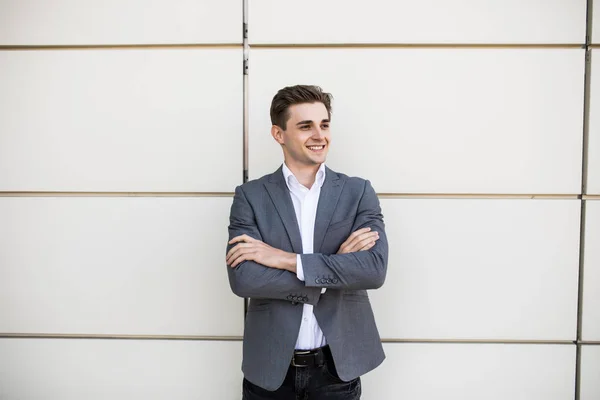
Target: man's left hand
[250, 249]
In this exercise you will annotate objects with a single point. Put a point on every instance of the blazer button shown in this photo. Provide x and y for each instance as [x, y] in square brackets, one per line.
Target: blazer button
[335, 280]
[329, 281]
[317, 280]
[305, 299]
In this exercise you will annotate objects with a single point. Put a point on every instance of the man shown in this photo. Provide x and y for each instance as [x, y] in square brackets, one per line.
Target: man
[305, 245]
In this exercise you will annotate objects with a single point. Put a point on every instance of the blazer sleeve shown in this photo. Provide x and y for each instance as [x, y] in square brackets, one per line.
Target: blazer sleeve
[355, 271]
[251, 279]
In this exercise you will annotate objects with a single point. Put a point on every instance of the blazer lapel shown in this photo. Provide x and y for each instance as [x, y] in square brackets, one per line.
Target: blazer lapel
[330, 194]
[280, 195]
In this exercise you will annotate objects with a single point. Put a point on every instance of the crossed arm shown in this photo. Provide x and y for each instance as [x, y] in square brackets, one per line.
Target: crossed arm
[256, 250]
[259, 270]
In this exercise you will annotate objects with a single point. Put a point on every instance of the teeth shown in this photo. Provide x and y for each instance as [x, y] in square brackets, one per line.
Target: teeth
[315, 147]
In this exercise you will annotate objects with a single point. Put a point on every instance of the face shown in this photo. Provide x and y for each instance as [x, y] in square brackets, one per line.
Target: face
[305, 141]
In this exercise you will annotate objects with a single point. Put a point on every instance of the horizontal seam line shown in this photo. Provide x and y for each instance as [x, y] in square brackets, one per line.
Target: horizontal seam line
[116, 337]
[121, 46]
[421, 45]
[239, 338]
[116, 194]
[480, 341]
[480, 195]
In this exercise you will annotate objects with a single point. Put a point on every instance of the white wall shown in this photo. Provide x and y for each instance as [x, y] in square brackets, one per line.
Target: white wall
[121, 141]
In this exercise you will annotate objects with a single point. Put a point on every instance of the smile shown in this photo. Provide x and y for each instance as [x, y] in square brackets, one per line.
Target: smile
[316, 148]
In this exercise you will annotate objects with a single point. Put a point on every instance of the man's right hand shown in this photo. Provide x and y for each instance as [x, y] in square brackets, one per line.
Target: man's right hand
[362, 239]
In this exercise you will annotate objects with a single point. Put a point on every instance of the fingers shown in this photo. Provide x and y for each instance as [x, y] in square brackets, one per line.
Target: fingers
[242, 238]
[244, 241]
[358, 235]
[247, 248]
[361, 240]
[368, 246]
[242, 258]
[359, 232]
[368, 241]
[241, 252]
[236, 251]
[348, 242]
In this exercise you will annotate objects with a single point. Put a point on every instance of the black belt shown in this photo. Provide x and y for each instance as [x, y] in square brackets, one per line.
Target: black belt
[311, 358]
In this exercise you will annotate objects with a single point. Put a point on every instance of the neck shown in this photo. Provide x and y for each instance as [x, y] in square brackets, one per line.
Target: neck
[306, 174]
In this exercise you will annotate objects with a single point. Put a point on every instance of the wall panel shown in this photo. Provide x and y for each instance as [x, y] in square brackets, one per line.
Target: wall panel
[591, 275]
[406, 21]
[73, 22]
[116, 266]
[465, 372]
[593, 166]
[436, 120]
[595, 27]
[121, 120]
[480, 269]
[590, 366]
[37, 369]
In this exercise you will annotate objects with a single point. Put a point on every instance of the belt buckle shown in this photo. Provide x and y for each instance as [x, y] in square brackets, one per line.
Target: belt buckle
[294, 358]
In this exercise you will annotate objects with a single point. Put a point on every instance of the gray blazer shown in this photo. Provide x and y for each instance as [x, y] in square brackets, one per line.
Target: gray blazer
[263, 209]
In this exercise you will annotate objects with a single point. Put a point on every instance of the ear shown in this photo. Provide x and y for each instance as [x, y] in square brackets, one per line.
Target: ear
[277, 134]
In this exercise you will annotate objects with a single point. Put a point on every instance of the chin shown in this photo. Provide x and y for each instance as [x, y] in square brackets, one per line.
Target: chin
[317, 159]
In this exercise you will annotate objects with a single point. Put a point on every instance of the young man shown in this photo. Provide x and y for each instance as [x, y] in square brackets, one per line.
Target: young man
[305, 245]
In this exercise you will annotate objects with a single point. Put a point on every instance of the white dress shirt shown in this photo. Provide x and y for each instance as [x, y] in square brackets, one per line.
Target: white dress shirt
[305, 205]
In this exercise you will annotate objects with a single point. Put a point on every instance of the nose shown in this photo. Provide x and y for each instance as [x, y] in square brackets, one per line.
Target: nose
[318, 133]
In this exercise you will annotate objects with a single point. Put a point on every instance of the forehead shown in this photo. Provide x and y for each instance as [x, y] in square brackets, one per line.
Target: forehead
[308, 112]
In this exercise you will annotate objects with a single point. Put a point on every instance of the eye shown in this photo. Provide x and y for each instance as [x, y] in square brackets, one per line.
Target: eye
[305, 127]
[325, 126]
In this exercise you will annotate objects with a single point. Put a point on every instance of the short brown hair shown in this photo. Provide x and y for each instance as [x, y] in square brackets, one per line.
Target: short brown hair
[299, 94]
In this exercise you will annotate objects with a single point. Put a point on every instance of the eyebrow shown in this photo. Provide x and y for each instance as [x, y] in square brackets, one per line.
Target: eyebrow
[308, 122]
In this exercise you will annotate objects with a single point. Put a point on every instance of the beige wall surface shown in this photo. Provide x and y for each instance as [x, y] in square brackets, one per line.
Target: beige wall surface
[591, 282]
[409, 21]
[73, 369]
[476, 371]
[117, 22]
[117, 265]
[593, 180]
[121, 120]
[590, 365]
[480, 269]
[125, 127]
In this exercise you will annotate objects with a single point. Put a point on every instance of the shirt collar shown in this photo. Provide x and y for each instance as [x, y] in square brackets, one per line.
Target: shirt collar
[290, 177]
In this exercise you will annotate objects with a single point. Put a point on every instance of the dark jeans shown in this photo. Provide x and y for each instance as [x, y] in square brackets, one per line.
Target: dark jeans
[308, 383]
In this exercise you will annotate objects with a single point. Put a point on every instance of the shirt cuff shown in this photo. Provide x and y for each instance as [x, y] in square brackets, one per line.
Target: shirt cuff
[299, 269]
